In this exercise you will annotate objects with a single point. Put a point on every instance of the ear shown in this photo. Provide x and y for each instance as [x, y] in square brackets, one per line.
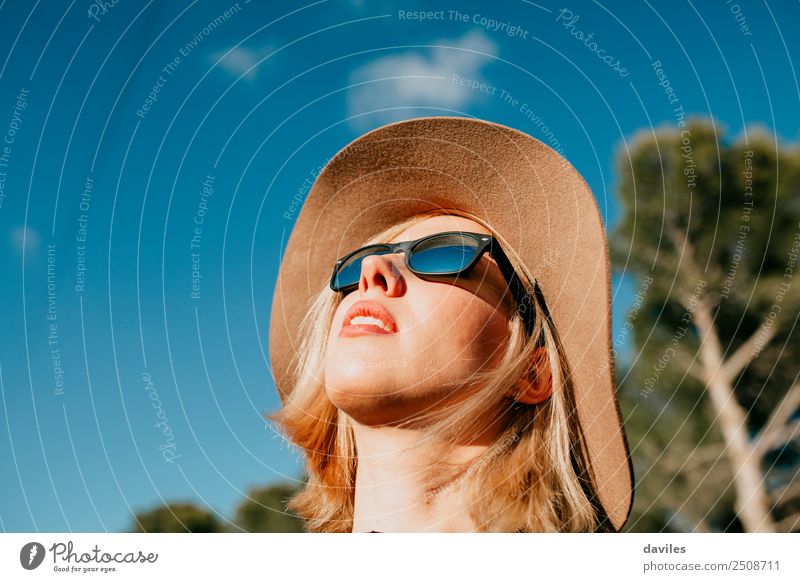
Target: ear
[537, 386]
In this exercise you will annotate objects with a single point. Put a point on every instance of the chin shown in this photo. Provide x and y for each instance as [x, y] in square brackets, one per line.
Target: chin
[369, 409]
[367, 397]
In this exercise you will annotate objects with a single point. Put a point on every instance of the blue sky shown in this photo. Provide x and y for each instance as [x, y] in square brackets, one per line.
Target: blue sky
[129, 124]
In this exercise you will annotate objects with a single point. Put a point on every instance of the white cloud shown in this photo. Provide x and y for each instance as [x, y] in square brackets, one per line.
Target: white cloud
[241, 61]
[25, 239]
[419, 77]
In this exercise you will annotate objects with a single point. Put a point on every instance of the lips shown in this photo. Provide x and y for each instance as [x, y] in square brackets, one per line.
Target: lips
[368, 317]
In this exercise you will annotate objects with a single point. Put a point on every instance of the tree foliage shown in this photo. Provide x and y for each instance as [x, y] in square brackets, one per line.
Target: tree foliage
[262, 510]
[711, 231]
[178, 518]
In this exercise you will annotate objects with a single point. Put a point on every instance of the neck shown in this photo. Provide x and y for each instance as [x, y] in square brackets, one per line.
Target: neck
[390, 495]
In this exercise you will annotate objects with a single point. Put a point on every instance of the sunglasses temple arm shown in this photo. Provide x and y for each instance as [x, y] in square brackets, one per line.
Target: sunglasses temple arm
[521, 295]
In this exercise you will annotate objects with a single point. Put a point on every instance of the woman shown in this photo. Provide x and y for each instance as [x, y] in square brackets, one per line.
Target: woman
[462, 381]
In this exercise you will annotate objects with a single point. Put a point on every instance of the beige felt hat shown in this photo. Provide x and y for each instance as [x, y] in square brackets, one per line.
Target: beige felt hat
[538, 204]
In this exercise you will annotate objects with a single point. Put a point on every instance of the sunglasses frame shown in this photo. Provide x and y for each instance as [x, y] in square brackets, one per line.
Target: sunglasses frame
[486, 242]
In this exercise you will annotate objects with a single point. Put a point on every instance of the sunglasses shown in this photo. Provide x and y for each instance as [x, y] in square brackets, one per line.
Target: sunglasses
[444, 254]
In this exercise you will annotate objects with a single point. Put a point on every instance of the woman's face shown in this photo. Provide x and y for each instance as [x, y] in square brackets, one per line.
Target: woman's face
[441, 334]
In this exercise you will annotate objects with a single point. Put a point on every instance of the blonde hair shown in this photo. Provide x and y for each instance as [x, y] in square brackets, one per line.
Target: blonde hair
[534, 478]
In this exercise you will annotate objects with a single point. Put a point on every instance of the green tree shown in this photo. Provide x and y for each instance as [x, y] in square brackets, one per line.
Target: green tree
[264, 510]
[178, 518]
[710, 396]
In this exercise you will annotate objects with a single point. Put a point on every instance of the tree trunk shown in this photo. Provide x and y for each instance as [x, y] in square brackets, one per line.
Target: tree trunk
[752, 502]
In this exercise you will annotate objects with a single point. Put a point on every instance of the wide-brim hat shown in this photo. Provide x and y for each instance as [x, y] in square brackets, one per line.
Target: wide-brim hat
[537, 203]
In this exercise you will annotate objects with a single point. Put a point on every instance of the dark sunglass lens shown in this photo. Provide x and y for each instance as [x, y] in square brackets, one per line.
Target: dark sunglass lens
[349, 272]
[443, 254]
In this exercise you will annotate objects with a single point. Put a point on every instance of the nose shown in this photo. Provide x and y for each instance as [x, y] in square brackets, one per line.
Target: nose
[378, 271]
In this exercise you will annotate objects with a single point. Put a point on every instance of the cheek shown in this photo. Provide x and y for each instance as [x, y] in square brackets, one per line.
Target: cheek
[465, 333]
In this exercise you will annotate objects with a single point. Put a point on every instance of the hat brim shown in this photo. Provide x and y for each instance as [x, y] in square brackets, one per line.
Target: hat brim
[530, 195]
